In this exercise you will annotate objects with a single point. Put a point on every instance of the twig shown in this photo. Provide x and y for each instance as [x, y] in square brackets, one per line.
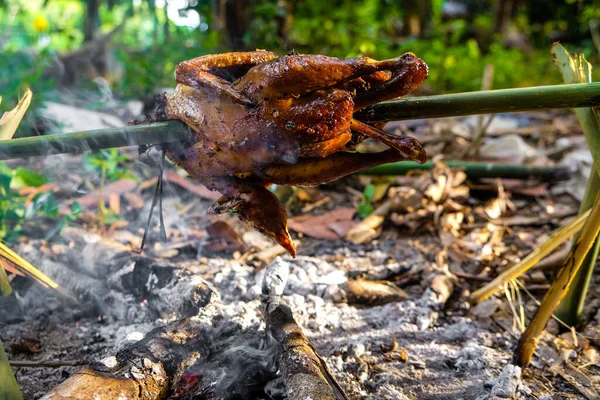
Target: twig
[47, 363]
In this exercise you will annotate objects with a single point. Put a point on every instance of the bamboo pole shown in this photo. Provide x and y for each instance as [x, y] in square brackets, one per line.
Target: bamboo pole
[484, 102]
[584, 242]
[576, 69]
[558, 237]
[478, 170]
[77, 142]
[450, 105]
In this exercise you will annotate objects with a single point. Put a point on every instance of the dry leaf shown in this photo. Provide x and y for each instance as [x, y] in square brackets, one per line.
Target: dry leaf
[325, 226]
[11, 119]
[224, 238]
[119, 187]
[187, 184]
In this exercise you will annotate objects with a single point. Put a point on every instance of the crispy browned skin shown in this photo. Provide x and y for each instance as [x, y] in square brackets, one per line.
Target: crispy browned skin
[262, 119]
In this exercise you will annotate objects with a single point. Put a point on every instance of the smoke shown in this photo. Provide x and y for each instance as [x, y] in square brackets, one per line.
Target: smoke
[234, 363]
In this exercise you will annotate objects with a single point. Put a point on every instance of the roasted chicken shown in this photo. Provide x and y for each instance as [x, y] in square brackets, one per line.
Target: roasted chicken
[259, 119]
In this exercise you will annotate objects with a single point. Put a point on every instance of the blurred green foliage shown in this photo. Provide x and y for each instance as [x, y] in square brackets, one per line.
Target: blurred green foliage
[110, 164]
[152, 39]
[365, 207]
[15, 209]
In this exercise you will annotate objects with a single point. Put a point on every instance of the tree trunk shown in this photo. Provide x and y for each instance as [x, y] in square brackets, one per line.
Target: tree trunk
[91, 23]
[425, 18]
[412, 19]
[503, 10]
[232, 18]
[166, 25]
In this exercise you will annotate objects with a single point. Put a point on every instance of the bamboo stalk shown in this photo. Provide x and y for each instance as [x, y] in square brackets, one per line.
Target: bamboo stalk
[450, 105]
[77, 142]
[484, 102]
[529, 339]
[9, 389]
[577, 69]
[478, 170]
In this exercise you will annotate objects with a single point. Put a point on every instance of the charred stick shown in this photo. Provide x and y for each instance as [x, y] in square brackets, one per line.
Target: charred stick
[146, 370]
[46, 363]
[305, 373]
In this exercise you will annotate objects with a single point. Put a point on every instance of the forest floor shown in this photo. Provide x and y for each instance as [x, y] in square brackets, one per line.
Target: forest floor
[444, 236]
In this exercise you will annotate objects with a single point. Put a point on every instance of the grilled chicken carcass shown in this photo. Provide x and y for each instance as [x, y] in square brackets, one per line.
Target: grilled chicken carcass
[259, 119]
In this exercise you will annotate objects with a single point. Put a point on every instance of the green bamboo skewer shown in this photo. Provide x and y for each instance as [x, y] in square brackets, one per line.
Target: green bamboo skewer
[451, 105]
[77, 142]
[478, 170]
[484, 102]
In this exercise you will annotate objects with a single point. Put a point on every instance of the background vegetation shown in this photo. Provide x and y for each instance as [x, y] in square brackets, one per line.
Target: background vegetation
[135, 44]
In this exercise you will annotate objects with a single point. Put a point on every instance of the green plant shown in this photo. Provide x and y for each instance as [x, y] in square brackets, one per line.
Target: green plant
[9, 389]
[365, 207]
[111, 164]
[15, 210]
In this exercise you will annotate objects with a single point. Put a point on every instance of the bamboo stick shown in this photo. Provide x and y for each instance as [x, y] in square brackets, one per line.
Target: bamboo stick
[484, 102]
[478, 170]
[450, 105]
[77, 142]
[558, 237]
[577, 69]
[530, 338]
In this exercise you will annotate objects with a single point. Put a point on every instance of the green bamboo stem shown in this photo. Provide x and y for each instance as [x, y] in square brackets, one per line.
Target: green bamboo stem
[451, 105]
[478, 170]
[9, 389]
[570, 308]
[485, 102]
[77, 142]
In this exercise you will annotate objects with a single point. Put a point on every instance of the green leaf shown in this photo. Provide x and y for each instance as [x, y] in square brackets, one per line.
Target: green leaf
[365, 208]
[26, 178]
[44, 204]
[369, 192]
[5, 288]
[76, 209]
[9, 389]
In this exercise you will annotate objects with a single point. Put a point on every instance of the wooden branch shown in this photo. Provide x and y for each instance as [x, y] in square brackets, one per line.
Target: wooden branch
[305, 373]
[146, 370]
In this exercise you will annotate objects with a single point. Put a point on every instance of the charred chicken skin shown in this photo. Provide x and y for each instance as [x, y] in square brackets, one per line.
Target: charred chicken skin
[259, 119]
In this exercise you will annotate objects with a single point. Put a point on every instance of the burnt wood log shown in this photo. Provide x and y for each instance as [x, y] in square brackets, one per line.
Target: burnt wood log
[305, 373]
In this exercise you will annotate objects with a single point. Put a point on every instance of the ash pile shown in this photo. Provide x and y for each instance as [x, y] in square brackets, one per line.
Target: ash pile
[221, 329]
